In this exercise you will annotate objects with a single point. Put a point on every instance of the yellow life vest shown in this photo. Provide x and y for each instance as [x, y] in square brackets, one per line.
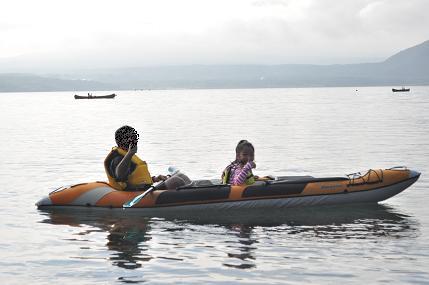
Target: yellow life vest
[140, 174]
[250, 179]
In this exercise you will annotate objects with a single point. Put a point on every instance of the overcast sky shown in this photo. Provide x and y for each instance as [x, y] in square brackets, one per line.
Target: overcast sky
[112, 33]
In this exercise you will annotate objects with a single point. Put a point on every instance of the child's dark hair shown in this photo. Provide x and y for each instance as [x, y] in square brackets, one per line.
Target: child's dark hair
[243, 144]
[126, 135]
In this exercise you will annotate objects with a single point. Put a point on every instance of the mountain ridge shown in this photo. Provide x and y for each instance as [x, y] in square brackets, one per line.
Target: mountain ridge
[407, 67]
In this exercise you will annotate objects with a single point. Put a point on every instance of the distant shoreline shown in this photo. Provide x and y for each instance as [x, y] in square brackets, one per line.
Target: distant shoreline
[409, 67]
[84, 92]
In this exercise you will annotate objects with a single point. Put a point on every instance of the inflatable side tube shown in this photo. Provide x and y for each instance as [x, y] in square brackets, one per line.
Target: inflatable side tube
[194, 195]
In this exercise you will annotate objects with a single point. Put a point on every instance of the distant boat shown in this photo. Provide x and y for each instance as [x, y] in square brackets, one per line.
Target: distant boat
[401, 90]
[90, 96]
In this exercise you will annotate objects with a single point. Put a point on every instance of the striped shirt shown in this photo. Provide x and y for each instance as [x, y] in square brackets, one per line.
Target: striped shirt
[238, 173]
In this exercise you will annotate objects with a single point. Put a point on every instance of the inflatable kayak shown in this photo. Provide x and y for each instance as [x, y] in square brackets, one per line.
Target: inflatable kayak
[280, 192]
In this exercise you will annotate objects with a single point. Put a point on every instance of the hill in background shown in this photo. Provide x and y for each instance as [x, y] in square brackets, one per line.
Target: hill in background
[408, 67]
[15, 82]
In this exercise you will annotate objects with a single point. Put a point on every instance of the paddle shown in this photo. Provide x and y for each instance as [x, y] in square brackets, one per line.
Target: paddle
[137, 199]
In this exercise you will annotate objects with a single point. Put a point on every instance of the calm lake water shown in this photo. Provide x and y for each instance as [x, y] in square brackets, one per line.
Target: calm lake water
[51, 140]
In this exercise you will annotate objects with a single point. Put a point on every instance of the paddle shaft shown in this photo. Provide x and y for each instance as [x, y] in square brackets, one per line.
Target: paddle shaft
[137, 199]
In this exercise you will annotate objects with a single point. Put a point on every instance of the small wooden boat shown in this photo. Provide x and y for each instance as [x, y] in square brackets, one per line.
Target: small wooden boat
[401, 90]
[90, 96]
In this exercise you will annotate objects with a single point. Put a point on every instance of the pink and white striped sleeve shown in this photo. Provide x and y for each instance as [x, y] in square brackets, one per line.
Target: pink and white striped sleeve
[240, 178]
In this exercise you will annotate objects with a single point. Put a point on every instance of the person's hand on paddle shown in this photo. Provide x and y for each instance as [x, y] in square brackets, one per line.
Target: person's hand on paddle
[159, 178]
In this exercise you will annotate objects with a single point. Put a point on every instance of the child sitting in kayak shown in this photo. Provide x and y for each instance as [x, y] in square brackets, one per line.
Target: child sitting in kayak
[239, 172]
[126, 171]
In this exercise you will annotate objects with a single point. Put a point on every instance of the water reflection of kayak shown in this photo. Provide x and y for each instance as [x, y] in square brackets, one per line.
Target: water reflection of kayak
[129, 234]
[283, 192]
[362, 221]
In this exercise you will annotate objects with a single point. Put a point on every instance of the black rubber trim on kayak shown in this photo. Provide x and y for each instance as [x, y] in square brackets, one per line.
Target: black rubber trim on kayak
[180, 188]
[308, 180]
[274, 190]
[192, 195]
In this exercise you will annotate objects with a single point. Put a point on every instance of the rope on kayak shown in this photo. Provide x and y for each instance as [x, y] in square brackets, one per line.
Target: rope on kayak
[357, 178]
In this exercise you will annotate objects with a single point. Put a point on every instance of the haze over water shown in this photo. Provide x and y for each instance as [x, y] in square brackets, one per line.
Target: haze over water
[51, 140]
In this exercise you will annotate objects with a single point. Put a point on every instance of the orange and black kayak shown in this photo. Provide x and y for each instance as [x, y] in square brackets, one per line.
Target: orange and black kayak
[280, 192]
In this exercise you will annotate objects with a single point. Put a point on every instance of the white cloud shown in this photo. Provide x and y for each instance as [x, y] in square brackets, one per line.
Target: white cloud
[134, 32]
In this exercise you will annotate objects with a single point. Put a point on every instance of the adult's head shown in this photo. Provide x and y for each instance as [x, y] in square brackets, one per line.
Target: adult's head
[126, 135]
[244, 151]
